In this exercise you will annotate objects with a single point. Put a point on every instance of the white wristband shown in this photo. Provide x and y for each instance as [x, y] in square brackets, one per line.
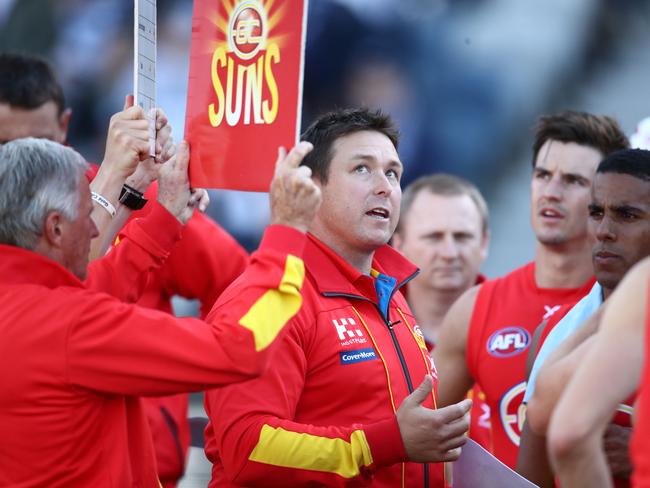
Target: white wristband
[104, 203]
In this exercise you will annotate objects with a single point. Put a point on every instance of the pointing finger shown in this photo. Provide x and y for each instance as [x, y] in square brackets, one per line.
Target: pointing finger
[282, 153]
[295, 156]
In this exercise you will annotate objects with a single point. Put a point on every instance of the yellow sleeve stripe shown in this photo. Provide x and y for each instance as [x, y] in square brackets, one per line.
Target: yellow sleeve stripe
[280, 447]
[268, 315]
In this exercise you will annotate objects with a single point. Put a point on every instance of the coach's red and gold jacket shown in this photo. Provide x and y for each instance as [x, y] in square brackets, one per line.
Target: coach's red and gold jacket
[74, 362]
[324, 412]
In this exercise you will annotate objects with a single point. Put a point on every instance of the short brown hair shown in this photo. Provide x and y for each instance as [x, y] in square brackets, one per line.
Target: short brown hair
[598, 131]
[329, 127]
[445, 185]
[28, 82]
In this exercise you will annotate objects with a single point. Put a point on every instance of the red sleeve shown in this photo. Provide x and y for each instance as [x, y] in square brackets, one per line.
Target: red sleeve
[142, 246]
[203, 263]
[125, 349]
[253, 433]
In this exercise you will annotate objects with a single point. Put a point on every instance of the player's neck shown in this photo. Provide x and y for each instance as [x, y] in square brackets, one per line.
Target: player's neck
[429, 307]
[568, 266]
[359, 260]
[362, 262]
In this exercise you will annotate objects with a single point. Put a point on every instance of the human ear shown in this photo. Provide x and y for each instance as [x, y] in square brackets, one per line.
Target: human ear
[64, 123]
[52, 229]
[485, 245]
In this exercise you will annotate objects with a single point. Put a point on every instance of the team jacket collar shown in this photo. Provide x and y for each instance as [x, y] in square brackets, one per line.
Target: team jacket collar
[20, 266]
[334, 275]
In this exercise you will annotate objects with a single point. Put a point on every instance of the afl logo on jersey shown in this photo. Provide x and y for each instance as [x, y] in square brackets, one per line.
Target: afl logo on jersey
[508, 342]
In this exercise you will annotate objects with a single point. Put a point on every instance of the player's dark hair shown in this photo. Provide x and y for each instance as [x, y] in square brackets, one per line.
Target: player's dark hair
[27, 82]
[633, 162]
[597, 131]
[329, 127]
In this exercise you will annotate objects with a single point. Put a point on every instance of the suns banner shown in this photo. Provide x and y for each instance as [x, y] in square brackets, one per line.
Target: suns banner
[245, 89]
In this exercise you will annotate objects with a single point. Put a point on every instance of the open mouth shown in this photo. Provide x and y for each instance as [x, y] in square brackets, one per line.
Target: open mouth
[551, 213]
[378, 213]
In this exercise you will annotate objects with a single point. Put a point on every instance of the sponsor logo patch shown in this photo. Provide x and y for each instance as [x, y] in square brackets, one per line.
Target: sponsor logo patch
[509, 341]
[349, 332]
[356, 356]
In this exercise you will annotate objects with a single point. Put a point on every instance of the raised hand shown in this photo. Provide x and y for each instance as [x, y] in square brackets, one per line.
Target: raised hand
[295, 198]
[148, 169]
[174, 184]
[165, 147]
[127, 142]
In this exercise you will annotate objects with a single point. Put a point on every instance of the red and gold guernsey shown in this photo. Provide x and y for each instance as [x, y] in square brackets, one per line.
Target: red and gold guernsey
[640, 447]
[505, 315]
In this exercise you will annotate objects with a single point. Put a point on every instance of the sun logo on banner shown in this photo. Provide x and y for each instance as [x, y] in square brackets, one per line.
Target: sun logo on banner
[247, 29]
[243, 59]
[248, 26]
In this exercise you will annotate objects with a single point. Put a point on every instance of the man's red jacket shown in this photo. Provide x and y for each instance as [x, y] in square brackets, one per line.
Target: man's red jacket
[200, 266]
[324, 412]
[73, 362]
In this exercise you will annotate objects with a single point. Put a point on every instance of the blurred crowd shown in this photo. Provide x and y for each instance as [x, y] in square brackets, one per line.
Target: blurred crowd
[461, 78]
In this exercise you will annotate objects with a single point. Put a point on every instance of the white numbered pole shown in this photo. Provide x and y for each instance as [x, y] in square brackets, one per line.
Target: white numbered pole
[144, 63]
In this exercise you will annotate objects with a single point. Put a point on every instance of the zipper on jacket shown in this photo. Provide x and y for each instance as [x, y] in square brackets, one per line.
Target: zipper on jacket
[409, 383]
[400, 355]
[398, 349]
[425, 466]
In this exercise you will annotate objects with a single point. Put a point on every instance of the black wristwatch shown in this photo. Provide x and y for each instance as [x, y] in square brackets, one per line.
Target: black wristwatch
[132, 198]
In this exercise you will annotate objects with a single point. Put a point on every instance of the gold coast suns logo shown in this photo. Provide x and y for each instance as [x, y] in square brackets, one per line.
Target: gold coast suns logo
[247, 29]
[242, 67]
[419, 337]
[513, 412]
